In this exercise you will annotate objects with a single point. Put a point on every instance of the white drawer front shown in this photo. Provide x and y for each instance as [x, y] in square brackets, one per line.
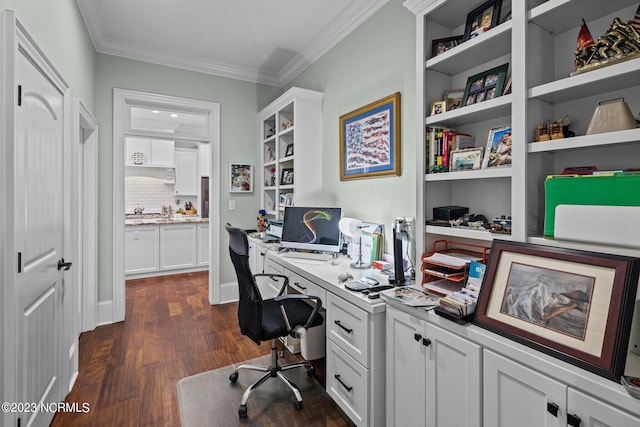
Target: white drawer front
[304, 286]
[348, 326]
[347, 384]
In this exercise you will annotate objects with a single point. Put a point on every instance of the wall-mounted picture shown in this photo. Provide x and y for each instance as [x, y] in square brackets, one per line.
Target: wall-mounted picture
[453, 99]
[484, 86]
[467, 159]
[370, 140]
[440, 46]
[240, 177]
[574, 305]
[482, 19]
[498, 150]
[286, 177]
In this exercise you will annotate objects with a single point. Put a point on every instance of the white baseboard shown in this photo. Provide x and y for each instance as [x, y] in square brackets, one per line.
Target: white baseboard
[105, 312]
[228, 292]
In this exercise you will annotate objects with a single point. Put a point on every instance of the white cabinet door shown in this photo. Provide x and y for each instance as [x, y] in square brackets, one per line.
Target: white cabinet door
[203, 160]
[203, 244]
[406, 369]
[186, 172]
[162, 153]
[453, 379]
[515, 395]
[178, 246]
[141, 147]
[585, 411]
[141, 249]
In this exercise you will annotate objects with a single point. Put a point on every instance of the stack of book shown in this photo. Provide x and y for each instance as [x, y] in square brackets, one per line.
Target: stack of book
[440, 143]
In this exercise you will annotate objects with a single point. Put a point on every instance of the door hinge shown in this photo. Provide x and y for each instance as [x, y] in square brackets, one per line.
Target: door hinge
[19, 262]
[19, 95]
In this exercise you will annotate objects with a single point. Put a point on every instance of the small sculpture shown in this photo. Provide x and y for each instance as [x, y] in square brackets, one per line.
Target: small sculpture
[263, 221]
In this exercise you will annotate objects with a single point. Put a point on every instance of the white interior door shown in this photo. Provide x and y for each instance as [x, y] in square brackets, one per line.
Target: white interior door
[39, 233]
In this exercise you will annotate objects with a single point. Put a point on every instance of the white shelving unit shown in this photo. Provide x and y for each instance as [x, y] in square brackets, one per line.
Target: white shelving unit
[538, 43]
[290, 135]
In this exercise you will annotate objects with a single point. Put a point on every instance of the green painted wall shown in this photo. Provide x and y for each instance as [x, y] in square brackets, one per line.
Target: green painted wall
[375, 60]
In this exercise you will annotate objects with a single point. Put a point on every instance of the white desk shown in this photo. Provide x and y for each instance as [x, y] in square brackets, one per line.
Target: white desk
[355, 326]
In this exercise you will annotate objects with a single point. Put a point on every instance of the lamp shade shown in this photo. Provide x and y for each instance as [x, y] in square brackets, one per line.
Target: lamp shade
[350, 227]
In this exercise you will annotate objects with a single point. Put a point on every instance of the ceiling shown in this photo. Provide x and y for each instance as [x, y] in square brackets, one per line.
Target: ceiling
[268, 42]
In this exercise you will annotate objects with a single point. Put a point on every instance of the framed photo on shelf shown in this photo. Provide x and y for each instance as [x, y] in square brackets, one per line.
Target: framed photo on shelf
[288, 199]
[240, 177]
[440, 46]
[467, 159]
[482, 19]
[498, 150]
[289, 151]
[453, 99]
[438, 107]
[507, 86]
[573, 305]
[484, 86]
[286, 177]
[370, 140]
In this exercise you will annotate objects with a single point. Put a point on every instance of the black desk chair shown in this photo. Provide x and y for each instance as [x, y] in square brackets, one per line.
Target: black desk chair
[269, 319]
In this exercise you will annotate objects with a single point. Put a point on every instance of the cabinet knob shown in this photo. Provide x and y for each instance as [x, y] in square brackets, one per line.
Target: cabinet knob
[417, 337]
[552, 408]
[573, 420]
[426, 342]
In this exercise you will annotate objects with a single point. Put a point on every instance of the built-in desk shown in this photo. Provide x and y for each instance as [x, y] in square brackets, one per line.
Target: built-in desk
[355, 328]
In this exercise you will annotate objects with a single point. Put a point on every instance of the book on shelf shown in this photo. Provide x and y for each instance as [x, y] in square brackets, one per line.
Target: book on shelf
[441, 141]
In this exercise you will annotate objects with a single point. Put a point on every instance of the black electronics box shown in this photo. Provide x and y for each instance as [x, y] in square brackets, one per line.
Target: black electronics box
[449, 212]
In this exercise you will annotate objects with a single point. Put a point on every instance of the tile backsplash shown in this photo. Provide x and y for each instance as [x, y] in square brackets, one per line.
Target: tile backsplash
[151, 193]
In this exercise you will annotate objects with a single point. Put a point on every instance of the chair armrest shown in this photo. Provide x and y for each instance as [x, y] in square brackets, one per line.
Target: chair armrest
[284, 285]
[317, 306]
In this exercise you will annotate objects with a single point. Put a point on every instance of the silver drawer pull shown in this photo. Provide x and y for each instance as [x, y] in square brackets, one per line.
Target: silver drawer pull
[336, 376]
[337, 322]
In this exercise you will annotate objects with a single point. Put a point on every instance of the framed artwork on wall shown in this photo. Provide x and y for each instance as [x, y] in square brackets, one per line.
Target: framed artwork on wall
[240, 177]
[370, 140]
[573, 305]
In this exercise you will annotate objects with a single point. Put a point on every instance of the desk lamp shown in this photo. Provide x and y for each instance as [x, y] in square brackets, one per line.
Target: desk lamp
[353, 228]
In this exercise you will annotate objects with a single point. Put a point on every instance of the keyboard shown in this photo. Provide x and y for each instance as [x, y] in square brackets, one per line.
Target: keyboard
[307, 255]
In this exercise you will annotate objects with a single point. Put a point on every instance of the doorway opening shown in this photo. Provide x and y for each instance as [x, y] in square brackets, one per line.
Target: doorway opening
[158, 137]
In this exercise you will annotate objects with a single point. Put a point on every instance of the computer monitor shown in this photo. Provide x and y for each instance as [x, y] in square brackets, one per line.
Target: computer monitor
[311, 228]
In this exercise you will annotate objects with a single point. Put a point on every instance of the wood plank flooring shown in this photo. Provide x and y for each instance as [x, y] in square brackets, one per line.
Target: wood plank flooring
[129, 370]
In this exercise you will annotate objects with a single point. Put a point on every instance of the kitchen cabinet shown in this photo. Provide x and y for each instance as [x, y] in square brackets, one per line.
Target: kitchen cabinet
[141, 248]
[178, 248]
[549, 402]
[186, 172]
[433, 375]
[154, 152]
[203, 244]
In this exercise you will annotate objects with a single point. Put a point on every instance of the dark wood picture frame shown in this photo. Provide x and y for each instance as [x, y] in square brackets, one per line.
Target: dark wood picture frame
[574, 305]
[482, 19]
[440, 46]
[485, 86]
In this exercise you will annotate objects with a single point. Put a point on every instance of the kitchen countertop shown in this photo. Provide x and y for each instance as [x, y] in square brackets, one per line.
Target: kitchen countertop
[164, 221]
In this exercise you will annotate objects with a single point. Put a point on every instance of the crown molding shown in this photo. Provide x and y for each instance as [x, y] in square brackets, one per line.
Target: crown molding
[358, 12]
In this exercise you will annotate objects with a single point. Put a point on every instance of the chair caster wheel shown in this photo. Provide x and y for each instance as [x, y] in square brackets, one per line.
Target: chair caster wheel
[311, 372]
[298, 405]
[242, 411]
[233, 378]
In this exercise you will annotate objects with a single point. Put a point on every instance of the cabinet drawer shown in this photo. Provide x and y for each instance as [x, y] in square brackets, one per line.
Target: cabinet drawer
[348, 326]
[347, 383]
[304, 286]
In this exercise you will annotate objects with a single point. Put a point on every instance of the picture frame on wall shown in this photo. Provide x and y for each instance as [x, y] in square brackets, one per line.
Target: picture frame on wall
[240, 177]
[574, 305]
[370, 140]
[482, 19]
[484, 86]
[499, 146]
[440, 46]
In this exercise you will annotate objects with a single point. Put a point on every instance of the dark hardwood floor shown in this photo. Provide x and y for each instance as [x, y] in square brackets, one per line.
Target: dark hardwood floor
[129, 370]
